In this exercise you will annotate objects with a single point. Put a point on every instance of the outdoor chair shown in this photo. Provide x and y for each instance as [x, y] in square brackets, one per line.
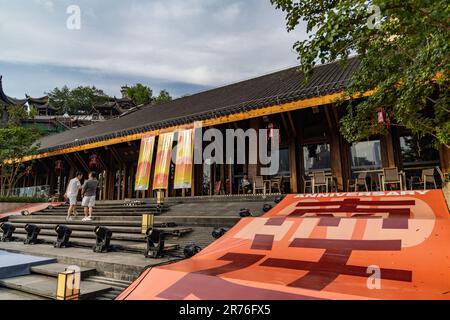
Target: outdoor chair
[243, 189]
[359, 182]
[307, 184]
[259, 184]
[320, 180]
[391, 176]
[276, 184]
[426, 178]
[217, 187]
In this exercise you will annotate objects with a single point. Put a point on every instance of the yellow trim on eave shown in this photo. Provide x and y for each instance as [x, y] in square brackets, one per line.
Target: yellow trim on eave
[291, 106]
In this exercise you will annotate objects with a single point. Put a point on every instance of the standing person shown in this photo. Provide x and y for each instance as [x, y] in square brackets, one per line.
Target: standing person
[71, 194]
[88, 191]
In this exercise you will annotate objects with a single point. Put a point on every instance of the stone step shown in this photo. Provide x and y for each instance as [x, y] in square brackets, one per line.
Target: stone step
[11, 294]
[191, 220]
[119, 284]
[62, 219]
[96, 213]
[45, 286]
[53, 269]
[100, 204]
[81, 227]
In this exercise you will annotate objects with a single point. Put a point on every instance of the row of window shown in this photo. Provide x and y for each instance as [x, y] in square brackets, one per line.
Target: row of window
[366, 155]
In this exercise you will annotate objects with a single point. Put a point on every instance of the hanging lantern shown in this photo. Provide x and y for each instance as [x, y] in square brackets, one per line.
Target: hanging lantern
[59, 167]
[383, 118]
[94, 161]
[29, 171]
[271, 127]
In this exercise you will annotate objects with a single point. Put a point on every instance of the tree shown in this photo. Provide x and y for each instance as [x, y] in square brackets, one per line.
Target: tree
[76, 101]
[140, 94]
[16, 113]
[403, 51]
[164, 97]
[15, 143]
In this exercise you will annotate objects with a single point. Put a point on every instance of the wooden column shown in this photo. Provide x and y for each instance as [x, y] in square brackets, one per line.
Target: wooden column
[444, 154]
[387, 150]
[253, 169]
[293, 165]
[335, 145]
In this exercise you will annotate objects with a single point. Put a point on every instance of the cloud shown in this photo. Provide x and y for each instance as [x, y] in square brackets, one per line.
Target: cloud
[197, 42]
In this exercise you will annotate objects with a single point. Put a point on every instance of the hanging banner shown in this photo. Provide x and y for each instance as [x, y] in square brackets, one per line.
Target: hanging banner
[163, 159]
[184, 160]
[144, 167]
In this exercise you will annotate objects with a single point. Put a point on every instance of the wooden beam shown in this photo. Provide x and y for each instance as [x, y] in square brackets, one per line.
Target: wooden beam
[81, 161]
[71, 162]
[287, 128]
[292, 124]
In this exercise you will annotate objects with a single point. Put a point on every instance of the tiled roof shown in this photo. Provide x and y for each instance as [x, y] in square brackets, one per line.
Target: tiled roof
[272, 89]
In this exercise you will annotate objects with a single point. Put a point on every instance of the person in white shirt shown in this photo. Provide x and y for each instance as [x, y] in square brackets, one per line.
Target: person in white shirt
[71, 194]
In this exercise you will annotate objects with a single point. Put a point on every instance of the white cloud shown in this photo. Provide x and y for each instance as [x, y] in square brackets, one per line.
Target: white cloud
[200, 42]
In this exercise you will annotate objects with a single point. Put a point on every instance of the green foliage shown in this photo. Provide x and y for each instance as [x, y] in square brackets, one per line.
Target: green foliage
[15, 143]
[164, 97]
[405, 59]
[76, 101]
[23, 200]
[33, 112]
[140, 94]
[16, 114]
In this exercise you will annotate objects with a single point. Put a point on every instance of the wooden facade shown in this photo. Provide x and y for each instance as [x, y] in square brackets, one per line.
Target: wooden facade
[306, 114]
[299, 129]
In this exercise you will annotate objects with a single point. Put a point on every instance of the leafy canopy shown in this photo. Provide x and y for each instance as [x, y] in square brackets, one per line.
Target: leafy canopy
[404, 54]
[76, 101]
[142, 94]
[16, 142]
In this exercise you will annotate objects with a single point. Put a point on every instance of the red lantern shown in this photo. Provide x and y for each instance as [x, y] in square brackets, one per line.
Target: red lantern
[94, 161]
[383, 118]
[29, 171]
[59, 166]
[272, 127]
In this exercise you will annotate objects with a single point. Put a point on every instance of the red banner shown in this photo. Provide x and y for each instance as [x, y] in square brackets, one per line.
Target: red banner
[144, 167]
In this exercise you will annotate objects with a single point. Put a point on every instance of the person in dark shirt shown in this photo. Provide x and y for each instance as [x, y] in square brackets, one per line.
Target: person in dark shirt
[89, 191]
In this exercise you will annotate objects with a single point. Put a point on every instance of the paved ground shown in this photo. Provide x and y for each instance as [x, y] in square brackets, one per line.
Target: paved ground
[10, 294]
[117, 265]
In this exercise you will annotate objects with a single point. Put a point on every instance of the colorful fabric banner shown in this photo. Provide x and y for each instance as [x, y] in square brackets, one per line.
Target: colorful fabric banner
[184, 160]
[163, 159]
[144, 167]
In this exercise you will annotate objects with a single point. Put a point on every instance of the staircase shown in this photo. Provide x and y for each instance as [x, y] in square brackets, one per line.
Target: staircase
[103, 275]
[123, 221]
[195, 218]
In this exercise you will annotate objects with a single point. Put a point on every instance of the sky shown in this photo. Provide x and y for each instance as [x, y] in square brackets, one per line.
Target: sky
[184, 46]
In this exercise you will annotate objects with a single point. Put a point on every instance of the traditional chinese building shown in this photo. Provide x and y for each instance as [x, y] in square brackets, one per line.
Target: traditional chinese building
[306, 114]
[5, 101]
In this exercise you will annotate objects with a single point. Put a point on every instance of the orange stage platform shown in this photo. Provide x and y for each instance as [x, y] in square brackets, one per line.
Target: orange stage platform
[368, 245]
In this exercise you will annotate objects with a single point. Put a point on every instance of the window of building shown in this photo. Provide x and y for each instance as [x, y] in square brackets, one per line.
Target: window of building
[366, 155]
[283, 169]
[316, 157]
[418, 152]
